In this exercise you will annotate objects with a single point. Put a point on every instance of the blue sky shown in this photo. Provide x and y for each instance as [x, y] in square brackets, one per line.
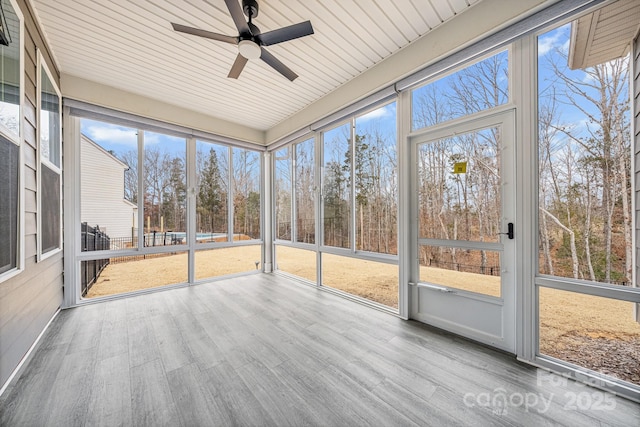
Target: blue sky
[120, 139]
[553, 46]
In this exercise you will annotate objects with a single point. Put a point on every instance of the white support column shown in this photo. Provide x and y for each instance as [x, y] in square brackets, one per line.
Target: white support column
[230, 195]
[319, 197]
[268, 203]
[524, 94]
[407, 230]
[141, 189]
[353, 222]
[71, 202]
[191, 207]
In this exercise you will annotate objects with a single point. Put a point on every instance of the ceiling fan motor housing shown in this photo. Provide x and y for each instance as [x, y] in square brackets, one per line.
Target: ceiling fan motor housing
[250, 8]
[250, 41]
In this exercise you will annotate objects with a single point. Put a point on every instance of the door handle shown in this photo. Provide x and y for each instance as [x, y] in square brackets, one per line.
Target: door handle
[510, 233]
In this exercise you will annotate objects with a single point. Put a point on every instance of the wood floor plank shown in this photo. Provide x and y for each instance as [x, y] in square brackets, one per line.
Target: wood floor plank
[68, 400]
[195, 403]
[236, 397]
[364, 403]
[114, 339]
[21, 403]
[264, 350]
[172, 348]
[319, 399]
[110, 402]
[142, 343]
[284, 405]
[152, 403]
[204, 351]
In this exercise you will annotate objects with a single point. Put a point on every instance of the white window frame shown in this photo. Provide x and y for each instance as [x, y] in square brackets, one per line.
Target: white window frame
[538, 280]
[18, 140]
[42, 161]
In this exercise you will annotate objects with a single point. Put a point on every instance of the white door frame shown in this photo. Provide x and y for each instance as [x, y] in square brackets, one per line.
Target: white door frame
[483, 318]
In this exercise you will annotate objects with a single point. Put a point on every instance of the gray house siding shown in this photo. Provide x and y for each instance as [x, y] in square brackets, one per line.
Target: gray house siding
[30, 299]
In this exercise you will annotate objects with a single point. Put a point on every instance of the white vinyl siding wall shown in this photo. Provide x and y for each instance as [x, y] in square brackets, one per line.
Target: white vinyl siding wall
[30, 299]
[102, 192]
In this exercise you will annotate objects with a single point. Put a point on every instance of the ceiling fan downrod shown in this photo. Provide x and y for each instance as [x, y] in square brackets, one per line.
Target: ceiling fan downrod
[250, 8]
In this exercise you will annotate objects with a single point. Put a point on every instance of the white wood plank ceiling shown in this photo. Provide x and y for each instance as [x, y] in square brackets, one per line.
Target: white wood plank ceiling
[130, 45]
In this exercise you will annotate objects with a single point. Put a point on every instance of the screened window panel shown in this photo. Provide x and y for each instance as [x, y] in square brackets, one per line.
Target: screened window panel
[50, 210]
[478, 87]
[336, 189]
[49, 120]
[305, 188]
[283, 184]
[10, 75]
[246, 194]
[9, 178]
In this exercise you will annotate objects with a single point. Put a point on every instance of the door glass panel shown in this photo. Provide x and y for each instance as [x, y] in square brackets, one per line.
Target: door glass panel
[471, 270]
[336, 189]
[459, 189]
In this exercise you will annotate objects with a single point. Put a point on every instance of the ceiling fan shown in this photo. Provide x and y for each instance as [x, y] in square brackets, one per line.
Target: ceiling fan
[250, 40]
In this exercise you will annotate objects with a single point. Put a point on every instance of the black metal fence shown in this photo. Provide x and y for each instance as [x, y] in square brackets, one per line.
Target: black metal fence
[92, 240]
[490, 270]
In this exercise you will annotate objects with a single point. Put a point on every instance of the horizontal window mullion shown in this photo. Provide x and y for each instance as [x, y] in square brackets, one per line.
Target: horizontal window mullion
[227, 244]
[464, 244]
[368, 256]
[624, 293]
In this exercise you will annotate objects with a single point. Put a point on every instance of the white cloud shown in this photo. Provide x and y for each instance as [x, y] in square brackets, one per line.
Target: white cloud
[112, 134]
[546, 45]
[557, 40]
[380, 113]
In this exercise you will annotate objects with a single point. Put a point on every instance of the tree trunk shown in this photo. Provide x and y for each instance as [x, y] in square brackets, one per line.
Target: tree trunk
[572, 237]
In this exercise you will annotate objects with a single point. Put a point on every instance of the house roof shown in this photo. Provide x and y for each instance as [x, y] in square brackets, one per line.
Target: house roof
[605, 34]
[107, 154]
[125, 55]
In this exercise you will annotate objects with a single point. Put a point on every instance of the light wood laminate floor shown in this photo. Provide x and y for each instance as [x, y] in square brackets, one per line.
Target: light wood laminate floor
[262, 350]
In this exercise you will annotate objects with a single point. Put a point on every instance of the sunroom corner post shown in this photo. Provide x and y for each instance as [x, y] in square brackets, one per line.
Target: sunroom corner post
[268, 225]
[71, 204]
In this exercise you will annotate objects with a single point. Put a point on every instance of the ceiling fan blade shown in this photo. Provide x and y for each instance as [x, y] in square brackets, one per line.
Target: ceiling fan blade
[203, 33]
[286, 33]
[277, 65]
[237, 67]
[238, 16]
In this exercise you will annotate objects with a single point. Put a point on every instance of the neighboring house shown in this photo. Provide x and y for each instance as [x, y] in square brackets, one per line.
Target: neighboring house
[104, 205]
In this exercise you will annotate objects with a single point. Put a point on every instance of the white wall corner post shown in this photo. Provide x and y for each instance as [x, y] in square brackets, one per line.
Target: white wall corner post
[268, 209]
